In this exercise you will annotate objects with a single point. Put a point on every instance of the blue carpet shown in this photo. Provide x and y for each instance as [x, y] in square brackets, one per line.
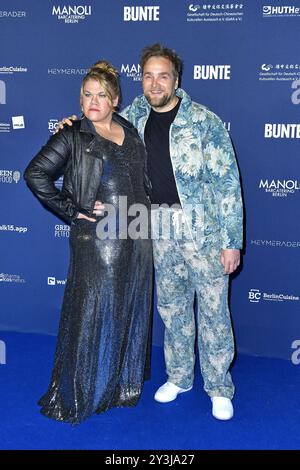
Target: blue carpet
[267, 408]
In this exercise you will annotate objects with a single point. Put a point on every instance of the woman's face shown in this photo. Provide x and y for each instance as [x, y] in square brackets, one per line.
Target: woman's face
[95, 102]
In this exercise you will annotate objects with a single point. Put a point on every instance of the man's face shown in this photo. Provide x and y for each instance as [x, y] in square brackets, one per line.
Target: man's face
[159, 83]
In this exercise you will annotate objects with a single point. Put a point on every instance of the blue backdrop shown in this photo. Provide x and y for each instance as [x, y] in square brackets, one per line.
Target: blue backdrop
[240, 59]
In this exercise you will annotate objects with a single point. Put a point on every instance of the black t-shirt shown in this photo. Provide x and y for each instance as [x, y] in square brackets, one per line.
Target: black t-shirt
[159, 165]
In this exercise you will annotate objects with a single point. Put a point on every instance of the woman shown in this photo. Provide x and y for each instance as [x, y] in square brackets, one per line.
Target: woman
[103, 342]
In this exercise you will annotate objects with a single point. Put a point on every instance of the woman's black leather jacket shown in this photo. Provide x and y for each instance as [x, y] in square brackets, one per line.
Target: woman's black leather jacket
[70, 153]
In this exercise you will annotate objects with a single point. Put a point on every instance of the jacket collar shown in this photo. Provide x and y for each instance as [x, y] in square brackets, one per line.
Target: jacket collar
[184, 112]
[87, 126]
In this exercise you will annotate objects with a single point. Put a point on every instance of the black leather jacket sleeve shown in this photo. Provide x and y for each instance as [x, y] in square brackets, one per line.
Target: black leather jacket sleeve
[45, 168]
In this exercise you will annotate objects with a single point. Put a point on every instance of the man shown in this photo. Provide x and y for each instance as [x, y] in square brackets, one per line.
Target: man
[197, 226]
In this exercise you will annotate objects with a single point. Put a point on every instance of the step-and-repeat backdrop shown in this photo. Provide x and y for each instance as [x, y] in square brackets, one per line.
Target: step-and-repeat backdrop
[241, 59]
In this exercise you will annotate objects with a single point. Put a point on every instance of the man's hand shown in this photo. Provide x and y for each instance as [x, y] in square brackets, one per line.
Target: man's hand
[64, 121]
[230, 260]
[98, 210]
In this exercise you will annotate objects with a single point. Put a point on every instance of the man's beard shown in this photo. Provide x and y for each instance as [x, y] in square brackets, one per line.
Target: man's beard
[159, 102]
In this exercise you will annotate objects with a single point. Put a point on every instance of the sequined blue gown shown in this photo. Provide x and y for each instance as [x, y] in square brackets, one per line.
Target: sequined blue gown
[102, 352]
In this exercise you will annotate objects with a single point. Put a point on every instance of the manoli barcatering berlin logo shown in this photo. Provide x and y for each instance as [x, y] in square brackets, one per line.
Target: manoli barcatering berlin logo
[133, 71]
[72, 13]
[279, 188]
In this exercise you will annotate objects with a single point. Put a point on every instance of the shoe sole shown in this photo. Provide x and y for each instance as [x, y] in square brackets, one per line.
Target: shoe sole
[168, 401]
[222, 419]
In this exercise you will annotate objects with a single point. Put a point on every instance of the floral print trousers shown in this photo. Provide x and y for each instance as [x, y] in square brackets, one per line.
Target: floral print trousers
[181, 271]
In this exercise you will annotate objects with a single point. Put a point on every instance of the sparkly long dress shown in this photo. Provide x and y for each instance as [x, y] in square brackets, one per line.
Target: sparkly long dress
[102, 352]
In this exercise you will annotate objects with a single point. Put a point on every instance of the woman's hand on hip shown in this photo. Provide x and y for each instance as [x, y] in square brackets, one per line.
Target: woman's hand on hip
[98, 210]
[83, 216]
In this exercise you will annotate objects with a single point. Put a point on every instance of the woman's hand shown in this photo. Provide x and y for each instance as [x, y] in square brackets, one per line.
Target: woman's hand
[83, 216]
[98, 210]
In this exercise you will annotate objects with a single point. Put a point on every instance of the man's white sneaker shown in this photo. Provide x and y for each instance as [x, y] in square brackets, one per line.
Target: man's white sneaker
[168, 392]
[222, 408]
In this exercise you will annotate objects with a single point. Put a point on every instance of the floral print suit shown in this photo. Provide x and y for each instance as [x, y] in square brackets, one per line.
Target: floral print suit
[187, 244]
